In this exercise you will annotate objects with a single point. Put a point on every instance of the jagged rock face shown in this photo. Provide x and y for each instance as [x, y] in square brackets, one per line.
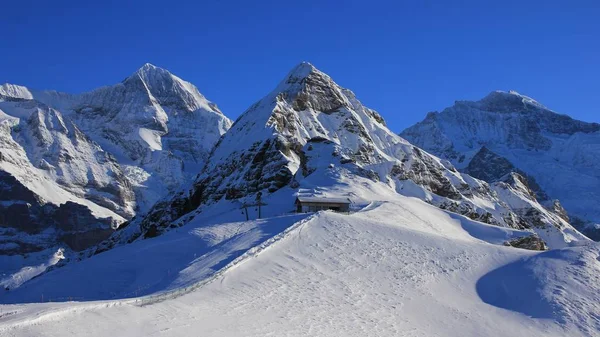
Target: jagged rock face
[41, 147]
[55, 145]
[490, 167]
[272, 133]
[28, 224]
[157, 120]
[557, 153]
[309, 124]
[527, 213]
[560, 210]
[520, 183]
[426, 172]
[46, 154]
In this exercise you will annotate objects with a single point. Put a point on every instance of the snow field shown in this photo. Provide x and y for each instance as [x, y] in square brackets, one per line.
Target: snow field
[399, 267]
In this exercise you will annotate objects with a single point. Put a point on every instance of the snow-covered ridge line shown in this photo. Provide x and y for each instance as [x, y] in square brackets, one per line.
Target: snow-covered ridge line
[22, 317]
[252, 252]
[156, 126]
[19, 319]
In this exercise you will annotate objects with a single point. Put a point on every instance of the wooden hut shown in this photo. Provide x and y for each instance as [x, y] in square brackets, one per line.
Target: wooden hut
[314, 204]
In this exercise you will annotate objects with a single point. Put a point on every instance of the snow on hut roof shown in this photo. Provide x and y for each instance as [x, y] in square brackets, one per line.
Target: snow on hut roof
[324, 199]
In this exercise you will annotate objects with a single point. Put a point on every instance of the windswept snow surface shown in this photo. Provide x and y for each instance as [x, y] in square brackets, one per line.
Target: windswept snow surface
[147, 267]
[398, 267]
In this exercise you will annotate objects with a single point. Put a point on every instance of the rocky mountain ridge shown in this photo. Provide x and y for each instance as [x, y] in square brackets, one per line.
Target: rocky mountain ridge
[309, 126]
[560, 154]
[106, 154]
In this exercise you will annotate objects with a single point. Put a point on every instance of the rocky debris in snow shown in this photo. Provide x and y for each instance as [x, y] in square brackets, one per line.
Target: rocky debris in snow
[532, 242]
[560, 210]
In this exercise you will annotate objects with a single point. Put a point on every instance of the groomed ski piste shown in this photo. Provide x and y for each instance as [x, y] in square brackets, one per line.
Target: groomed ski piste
[396, 266]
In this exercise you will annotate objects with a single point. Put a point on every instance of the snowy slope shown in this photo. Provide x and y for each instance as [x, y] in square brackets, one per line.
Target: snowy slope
[309, 126]
[560, 153]
[398, 267]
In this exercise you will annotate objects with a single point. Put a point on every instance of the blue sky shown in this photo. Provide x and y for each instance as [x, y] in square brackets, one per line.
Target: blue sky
[402, 58]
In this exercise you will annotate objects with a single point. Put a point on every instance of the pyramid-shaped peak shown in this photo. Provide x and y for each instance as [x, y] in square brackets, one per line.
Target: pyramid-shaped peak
[302, 75]
[148, 69]
[308, 87]
[152, 76]
[303, 69]
[148, 65]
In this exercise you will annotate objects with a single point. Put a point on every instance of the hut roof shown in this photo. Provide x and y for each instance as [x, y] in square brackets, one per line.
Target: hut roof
[324, 200]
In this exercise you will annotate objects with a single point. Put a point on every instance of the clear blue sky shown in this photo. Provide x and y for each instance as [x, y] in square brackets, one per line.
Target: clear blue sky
[402, 58]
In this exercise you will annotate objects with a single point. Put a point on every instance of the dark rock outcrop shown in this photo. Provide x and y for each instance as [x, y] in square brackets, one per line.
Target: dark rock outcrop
[490, 167]
[532, 242]
[26, 219]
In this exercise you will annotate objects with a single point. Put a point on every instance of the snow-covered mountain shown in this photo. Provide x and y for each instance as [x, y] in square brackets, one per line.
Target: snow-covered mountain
[159, 128]
[507, 132]
[427, 250]
[311, 128]
[106, 154]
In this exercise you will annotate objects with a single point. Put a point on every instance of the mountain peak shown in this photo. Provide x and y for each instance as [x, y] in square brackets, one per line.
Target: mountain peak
[303, 69]
[148, 70]
[306, 87]
[510, 101]
[148, 65]
[15, 91]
